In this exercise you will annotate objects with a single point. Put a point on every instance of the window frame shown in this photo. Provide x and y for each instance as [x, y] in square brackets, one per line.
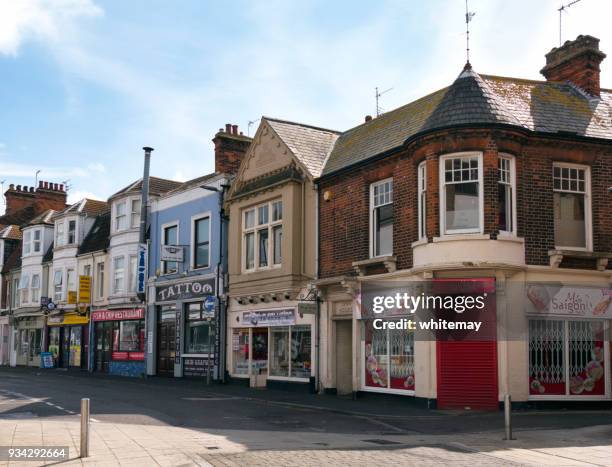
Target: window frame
[512, 159]
[132, 274]
[59, 233]
[24, 288]
[37, 288]
[422, 205]
[442, 191]
[36, 242]
[194, 245]
[116, 216]
[100, 279]
[255, 229]
[74, 232]
[134, 214]
[114, 277]
[588, 220]
[371, 208]
[58, 295]
[164, 264]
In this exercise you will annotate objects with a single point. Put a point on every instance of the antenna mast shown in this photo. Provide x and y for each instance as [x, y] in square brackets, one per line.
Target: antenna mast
[468, 17]
[561, 10]
[379, 109]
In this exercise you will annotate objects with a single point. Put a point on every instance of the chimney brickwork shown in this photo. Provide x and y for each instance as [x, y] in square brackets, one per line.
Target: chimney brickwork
[46, 196]
[230, 148]
[577, 62]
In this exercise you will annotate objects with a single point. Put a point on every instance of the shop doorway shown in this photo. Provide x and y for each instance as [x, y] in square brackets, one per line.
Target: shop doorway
[104, 345]
[344, 356]
[166, 341]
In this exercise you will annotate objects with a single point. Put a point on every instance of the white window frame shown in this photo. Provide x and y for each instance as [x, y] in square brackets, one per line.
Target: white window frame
[15, 292]
[100, 279]
[162, 264]
[442, 188]
[422, 206]
[27, 240]
[132, 273]
[588, 222]
[35, 290]
[36, 242]
[24, 288]
[74, 240]
[58, 295]
[134, 214]
[114, 276]
[194, 219]
[372, 235]
[75, 285]
[255, 230]
[116, 216]
[512, 160]
[59, 233]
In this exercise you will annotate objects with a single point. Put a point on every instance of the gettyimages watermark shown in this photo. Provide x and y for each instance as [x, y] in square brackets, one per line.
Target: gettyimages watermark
[474, 309]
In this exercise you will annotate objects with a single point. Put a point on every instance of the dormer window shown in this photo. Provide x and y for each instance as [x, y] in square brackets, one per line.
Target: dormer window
[120, 216]
[71, 232]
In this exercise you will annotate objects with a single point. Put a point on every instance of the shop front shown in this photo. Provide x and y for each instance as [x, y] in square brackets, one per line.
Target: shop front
[568, 341]
[186, 317]
[68, 340]
[29, 336]
[119, 340]
[272, 347]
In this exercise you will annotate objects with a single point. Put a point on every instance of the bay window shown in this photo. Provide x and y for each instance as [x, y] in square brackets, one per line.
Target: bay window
[461, 193]
[381, 218]
[571, 206]
[35, 288]
[71, 232]
[135, 213]
[118, 274]
[57, 285]
[422, 189]
[262, 233]
[59, 233]
[506, 194]
[36, 241]
[24, 284]
[27, 236]
[120, 216]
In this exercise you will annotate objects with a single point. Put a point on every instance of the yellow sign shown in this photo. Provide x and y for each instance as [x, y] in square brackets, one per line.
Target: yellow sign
[84, 289]
[72, 297]
[67, 320]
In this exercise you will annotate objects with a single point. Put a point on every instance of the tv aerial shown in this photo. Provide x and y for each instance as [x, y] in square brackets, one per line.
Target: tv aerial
[561, 10]
[379, 109]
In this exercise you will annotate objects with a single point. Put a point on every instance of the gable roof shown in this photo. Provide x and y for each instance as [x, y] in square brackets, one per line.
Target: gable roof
[309, 144]
[98, 237]
[10, 232]
[43, 218]
[91, 207]
[157, 186]
[478, 100]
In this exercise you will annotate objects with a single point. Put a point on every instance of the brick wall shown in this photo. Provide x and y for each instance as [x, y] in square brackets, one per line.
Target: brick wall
[344, 219]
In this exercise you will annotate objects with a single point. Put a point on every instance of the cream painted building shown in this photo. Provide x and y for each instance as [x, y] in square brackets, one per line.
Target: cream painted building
[272, 318]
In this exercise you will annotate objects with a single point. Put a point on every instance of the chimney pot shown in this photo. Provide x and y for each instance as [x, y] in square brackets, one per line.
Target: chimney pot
[228, 128]
[234, 129]
[576, 61]
[46, 185]
[12, 186]
[368, 118]
[40, 184]
[18, 188]
[31, 189]
[61, 187]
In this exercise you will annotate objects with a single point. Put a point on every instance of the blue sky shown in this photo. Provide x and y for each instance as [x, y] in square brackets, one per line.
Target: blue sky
[86, 83]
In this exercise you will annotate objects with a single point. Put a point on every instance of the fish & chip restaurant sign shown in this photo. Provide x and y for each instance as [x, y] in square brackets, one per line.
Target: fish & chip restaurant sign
[185, 290]
[118, 315]
[562, 300]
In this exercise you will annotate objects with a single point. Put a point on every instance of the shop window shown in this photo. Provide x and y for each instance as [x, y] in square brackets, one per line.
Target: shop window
[35, 288]
[389, 358]
[571, 204]
[100, 280]
[240, 351]
[199, 333]
[422, 189]
[201, 245]
[279, 351]
[71, 232]
[461, 194]
[120, 216]
[381, 218]
[262, 233]
[135, 213]
[24, 284]
[259, 353]
[170, 237]
[118, 274]
[54, 342]
[300, 352]
[506, 194]
[57, 285]
[129, 337]
[566, 358]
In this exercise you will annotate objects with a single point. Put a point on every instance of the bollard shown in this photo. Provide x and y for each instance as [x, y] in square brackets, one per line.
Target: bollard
[507, 417]
[85, 427]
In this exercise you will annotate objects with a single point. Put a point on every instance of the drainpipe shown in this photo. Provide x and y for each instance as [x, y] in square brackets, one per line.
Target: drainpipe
[144, 201]
[318, 302]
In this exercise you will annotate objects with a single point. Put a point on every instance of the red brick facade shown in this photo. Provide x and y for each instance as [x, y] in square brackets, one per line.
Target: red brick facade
[230, 148]
[344, 218]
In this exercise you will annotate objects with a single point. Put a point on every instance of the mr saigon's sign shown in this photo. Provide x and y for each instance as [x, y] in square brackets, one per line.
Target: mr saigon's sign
[185, 290]
[561, 300]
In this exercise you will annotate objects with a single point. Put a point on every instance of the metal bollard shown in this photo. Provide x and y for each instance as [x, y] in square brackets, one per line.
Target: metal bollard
[508, 417]
[85, 427]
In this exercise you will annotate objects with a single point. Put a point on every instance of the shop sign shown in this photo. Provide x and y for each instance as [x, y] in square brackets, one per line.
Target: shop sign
[84, 289]
[177, 339]
[195, 367]
[72, 297]
[269, 318]
[172, 253]
[46, 360]
[307, 308]
[116, 315]
[185, 290]
[142, 268]
[127, 355]
[66, 320]
[560, 300]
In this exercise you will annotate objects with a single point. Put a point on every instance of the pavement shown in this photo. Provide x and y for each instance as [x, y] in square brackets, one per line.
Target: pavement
[180, 422]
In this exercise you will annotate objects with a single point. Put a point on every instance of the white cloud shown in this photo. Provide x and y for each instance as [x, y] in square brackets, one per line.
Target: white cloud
[74, 196]
[96, 167]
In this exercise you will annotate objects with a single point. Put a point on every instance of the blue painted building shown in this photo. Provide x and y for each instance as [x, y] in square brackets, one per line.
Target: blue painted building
[186, 264]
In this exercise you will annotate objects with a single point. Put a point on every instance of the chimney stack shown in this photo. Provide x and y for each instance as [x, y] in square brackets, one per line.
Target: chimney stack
[230, 148]
[368, 118]
[577, 62]
[46, 196]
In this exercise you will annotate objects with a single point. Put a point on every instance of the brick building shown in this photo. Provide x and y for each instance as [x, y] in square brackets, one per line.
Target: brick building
[500, 185]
